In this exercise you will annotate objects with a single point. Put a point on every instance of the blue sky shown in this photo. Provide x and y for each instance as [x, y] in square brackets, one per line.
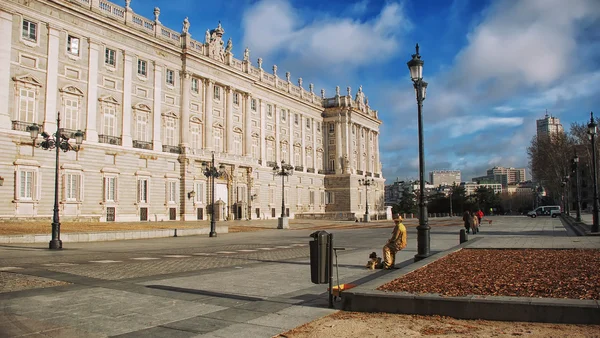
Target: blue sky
[493, 67]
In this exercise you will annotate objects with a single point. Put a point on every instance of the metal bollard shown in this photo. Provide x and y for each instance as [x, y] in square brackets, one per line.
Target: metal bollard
[463, 236]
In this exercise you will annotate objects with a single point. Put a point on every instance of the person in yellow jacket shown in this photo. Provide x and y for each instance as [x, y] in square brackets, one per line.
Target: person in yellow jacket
[396, 243]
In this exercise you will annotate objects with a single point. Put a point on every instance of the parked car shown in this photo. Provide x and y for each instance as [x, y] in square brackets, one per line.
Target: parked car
[546, 210]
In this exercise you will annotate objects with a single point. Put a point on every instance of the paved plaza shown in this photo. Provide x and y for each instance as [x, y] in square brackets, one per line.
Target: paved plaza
[246, 284]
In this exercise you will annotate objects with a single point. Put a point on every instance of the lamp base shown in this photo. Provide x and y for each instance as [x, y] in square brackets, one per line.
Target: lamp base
[366, 218]
[283, 223]
[55, 244]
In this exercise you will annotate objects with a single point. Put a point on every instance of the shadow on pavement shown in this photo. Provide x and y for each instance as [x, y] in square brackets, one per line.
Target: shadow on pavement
[205, 293]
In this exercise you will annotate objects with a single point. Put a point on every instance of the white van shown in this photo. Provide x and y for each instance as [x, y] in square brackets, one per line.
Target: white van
[546, 210]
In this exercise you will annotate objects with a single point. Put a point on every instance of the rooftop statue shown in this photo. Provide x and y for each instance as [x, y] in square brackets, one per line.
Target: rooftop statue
[229, 46]
[186, 25]
[246, 54]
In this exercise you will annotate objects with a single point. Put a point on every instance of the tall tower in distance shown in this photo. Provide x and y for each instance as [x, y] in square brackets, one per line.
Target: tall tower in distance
[548, 126]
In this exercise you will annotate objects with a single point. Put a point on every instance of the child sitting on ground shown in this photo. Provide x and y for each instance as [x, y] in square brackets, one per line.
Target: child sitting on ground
[374, 261]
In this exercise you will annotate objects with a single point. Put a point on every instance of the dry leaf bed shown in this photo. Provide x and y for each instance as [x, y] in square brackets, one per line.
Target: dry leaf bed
[543, 273]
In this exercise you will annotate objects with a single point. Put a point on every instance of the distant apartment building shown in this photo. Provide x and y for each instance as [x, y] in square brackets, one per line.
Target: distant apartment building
[548, 126]
[513, 175]
[393, 192]
[444, 177]
[471, 187]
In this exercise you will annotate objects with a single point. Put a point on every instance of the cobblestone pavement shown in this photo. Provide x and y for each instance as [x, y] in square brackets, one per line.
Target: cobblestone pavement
[13, 281]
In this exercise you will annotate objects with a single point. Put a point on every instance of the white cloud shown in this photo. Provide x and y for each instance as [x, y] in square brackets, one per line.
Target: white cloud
[274, 26]
[466, 125]
[359, 7]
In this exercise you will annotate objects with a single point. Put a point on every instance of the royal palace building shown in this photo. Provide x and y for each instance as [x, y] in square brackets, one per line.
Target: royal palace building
[154, 105]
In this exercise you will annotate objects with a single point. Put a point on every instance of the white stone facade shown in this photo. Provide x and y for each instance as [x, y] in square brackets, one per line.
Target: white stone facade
[154, 104]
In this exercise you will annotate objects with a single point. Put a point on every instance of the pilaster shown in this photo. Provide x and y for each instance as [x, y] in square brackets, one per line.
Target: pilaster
[302, 138]
[127, 83]
[52, 79]
[263, 127]
[5, 50]
[314, 145]
[229, 119]
[248, 125]
[208, 114]
[338, 147]
[157, 108]
[291, 139]
[277, 115]
[91, 130]
[368, 165]
[184, 127]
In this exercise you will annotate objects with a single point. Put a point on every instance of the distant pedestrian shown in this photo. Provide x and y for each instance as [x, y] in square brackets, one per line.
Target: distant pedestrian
[396, 243]
[479, 216]
[474, 223]
[467, 220]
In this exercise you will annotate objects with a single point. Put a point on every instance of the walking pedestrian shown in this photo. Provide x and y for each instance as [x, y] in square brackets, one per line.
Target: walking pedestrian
[467, 220]
[396, 243]
[474, 223]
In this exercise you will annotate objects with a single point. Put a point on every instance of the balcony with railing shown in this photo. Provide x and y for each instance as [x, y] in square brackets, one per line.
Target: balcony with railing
[142, 145]
[310, 170]
[299, 168]
[171, 149]
[377, 175]
[108, 139]
[24, 126]
[359, 172]
[70, 133]
[271, 164]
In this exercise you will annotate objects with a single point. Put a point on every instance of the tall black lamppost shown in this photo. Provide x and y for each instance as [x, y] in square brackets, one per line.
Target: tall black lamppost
[58, 141]
[566, 184]
[416, 74]
[592, 130]
[285, 170]
[575, 170]
[366, 182]
[211, 172]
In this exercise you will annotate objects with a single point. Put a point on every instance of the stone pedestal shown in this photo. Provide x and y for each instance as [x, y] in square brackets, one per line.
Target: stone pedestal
[283, 223]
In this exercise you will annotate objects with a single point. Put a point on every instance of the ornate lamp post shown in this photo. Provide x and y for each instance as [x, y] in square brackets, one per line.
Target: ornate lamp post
[58, 141]
[211, 172]
[566, 185]
[285, 170]
[575, 170]
[366, 183]
[592, 130]
[416, 74]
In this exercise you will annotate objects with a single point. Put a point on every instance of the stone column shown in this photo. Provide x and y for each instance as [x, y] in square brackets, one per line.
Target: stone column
[368, 165]
[157, 107]
[376, 150]
[248, 125]
[127, 83]
[263, 127]
[314, 144]
[277, 149]
[291, 140]
[229, 120]
[91, 130]
[5, 81]
[208, 114]
[338, 147]
[52, 80]
[302, 141]
[351, 148]
[359, 164]
[184, 125]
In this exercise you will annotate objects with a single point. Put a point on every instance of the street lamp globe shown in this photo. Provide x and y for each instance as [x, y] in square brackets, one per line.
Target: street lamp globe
[79, 137]
[416, 66]
[592, 126]
[34, 130]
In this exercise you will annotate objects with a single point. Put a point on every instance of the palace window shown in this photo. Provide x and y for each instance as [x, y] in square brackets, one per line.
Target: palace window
[311, 197]
[218, 137]
[196, 130]
[318, 126]
[141, 126]
[284, 153]
[172, 192]
[27, 105]
[26, 184]
[283, 115]
[199, 190]
[329, 197]
[237, 143]
[110, 188]
[296, 118]
[110, 57]
[269, 110]
[142, 190]
[236, 99]
[72, 187]
[169, 130]
[255, 147]
[71, 110]
[253, 104]
[170, 77]
[142, 67]
[307, 123]
[217, 93]
[29, 30]
[331, 128]
[72, 45]
[195, 85]
[109, 121]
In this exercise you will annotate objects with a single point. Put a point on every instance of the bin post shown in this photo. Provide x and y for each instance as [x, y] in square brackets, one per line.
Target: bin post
[463, 236]
[330, 267]
[318, 257]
